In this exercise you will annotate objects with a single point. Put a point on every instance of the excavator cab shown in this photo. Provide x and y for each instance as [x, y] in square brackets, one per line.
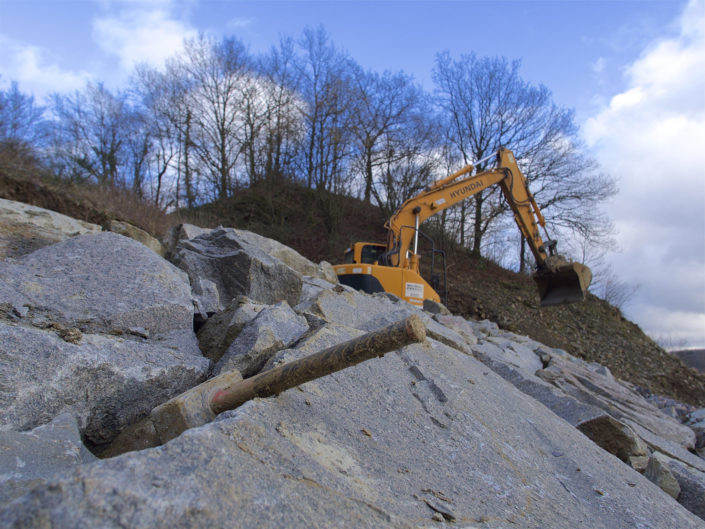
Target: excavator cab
[561, 281]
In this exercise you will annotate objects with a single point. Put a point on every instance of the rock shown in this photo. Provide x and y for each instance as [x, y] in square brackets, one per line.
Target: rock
[25, 228]
[222, 328]
[615, 437]
[28, 459]
[272, 329]
[591, 386]
[312, 287]
[510, 353]
[434, 307]
[692, 485]
[289, 256]
[181, 232]
[679, 480]
[137, 234]
[459, 325]
[106, 383]
[657, 472]
[357, 309]
[233, 267]
[102, 283]
[369, 446]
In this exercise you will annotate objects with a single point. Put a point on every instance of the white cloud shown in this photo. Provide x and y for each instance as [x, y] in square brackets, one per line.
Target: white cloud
[651, 137]
[141, 32]
[36, 70]
[240, 23]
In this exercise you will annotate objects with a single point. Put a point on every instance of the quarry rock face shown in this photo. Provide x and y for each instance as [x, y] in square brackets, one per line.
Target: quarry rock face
[475, 427]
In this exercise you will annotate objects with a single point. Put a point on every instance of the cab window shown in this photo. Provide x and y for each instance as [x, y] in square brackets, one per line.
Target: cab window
[371, 253]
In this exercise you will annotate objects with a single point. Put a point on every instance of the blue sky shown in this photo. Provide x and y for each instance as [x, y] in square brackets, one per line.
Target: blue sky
[634, 71]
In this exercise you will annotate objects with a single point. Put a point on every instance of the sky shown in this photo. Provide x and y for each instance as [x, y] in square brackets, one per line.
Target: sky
[634, 71]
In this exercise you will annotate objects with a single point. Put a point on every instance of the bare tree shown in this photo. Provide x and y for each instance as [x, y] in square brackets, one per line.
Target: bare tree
[91, 131]
[487, 105]
[22, 122]
[283, 128]
[325, 85]
[213, 76]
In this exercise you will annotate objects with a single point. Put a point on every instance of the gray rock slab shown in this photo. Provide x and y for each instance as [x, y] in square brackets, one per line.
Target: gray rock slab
[658, 472]
[670, 448]
[594, 386]
[222, 328]
[235, 267]
[289, 256]
[25, 228]
[103, 283]
[274, 328]
[510, 353]
[572, 410]
[28, 459]
[107, 383]
[369, 446]
[357, 309]
[459, 325]
[679, 480]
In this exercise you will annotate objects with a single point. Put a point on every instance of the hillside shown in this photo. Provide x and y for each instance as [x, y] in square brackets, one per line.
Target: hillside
[321, 226]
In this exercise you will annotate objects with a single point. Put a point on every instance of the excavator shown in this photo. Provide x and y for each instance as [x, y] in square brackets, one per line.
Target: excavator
[394, 267]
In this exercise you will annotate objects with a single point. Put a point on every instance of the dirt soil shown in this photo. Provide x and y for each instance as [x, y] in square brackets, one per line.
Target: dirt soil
[320, 226]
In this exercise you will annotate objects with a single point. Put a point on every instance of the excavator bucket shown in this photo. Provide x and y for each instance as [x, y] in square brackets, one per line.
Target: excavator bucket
[565, 283]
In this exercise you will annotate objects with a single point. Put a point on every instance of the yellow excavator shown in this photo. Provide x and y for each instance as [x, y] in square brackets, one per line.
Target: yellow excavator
[394, 267]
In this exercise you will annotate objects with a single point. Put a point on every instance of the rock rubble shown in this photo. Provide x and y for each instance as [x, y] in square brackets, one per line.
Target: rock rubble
[476, 427]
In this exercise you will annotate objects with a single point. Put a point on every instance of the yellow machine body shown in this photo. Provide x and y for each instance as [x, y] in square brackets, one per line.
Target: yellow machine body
[363, 272]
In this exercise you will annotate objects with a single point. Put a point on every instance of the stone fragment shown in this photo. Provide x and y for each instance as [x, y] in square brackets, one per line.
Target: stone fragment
[28, 459]
[273, 328]
[25, 228]
[657, 472]
[221, 329]
[615, 437]
[235, 267]
[133, 232]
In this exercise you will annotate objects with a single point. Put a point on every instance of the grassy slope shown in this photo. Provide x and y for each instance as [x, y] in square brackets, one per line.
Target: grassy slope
[321, 226]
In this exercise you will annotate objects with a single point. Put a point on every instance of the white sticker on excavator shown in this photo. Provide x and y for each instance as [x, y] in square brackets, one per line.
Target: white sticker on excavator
[413, 290]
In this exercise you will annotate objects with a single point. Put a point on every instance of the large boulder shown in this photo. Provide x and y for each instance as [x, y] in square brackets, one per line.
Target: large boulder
[424, 434]
[25, 228]
[102, 283]
[222, 265]
[221, 329]
[98, 326]
[105, 382]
